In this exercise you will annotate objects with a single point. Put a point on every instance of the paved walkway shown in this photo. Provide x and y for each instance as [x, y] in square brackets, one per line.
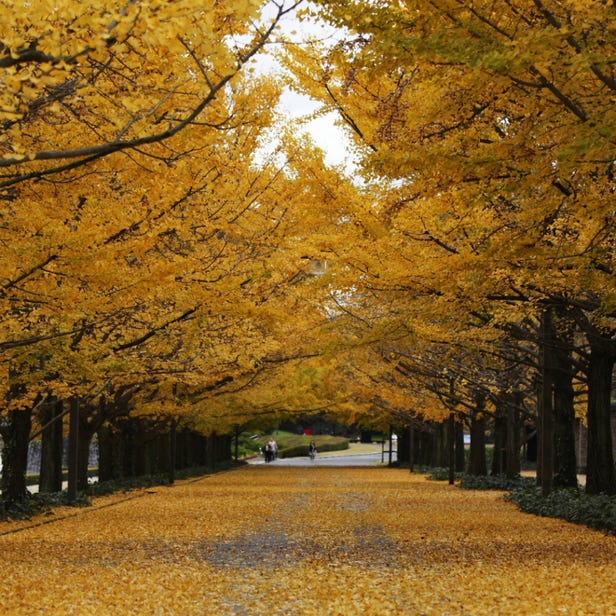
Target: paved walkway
[358, 459]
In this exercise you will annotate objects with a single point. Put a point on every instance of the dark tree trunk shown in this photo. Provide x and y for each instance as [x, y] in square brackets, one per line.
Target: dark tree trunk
[460, 458]
[500, 439]
[477, 461]
[423, 450]
[512, 451]
[105, 454]
[172, 450]
[73, 450]
[50, 479]
[441, 452]
[151, 457]
[425, 442]
[138, 452]
[111, 455]
[600, 476]
[530, 434]
[133, 437]
[451, 447]
[211, 453]
[184, 449]
[202, 449]
[411, 456]
[16, 437]
[84, 440]
[545, 470]
[565, 465]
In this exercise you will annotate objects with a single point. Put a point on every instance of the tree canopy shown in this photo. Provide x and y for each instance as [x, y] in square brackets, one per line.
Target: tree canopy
[165, 233]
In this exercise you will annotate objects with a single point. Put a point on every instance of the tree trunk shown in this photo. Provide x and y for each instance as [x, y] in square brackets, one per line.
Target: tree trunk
[84, 440]
[545, 470]
[211, 454]
[512, 442]
[105, 453]
[16, 437]
[460, 458]
[451, 447]
[500, 439]
[172, 450]
[411, 447]
[50, 478]
[440, 446]
[477, 461]
[565, 465]
[600, 476]
[73, 449]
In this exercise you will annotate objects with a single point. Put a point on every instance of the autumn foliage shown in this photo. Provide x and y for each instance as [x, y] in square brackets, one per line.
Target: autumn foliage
[306, 541]
[174, 254]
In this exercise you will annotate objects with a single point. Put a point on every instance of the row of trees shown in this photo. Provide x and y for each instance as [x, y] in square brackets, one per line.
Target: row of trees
[487, 132]
[150, 253]
[171, 250]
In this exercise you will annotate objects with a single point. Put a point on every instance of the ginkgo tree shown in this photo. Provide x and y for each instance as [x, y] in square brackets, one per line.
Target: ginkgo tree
[113, 276]
[129, 76]
[490, 133]
[160, 256]
[189, 302]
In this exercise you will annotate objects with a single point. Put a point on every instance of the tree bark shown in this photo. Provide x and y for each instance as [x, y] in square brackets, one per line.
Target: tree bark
[105, 453]
[477, 462]
[545, 471]
[411, 447]
[172, 450]
[500, 439]
[73, 449]
[460, 457]
[565, 465]
[440, 452]
[600, 476]
[84, 440]
[512, 441]
[16, 437]
[451, 447]
[50, 478]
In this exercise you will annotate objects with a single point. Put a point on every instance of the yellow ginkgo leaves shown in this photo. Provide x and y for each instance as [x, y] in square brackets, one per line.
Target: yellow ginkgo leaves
[306, 541]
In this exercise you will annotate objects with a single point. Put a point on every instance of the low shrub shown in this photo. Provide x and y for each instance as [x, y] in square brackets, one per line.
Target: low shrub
[324, 443]
[36, 504]
[596, 511]
[494, 482]
[572, 505]
[438, 473]
[293, 452]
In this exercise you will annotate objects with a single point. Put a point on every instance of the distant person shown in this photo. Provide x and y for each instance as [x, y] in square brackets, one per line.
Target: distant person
[274, 445]
[267, 451]
[312, 450]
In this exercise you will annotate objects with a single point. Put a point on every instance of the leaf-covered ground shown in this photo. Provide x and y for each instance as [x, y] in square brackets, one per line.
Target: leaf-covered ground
[295, 541]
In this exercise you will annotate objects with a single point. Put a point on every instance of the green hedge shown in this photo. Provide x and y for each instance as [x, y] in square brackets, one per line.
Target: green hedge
[292, 445]
[495, 482]
[596, 511]
[572, 505]
[300, 446]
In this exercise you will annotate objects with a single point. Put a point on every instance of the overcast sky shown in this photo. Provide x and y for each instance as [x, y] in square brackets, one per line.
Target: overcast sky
[330, 138]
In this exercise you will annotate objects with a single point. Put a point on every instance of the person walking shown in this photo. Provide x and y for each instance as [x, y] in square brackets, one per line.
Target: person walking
[267, 451]
[312, 450]
[274, 445]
